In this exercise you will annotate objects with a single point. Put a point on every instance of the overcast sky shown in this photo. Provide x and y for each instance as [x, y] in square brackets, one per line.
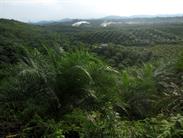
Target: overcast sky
[36, 10]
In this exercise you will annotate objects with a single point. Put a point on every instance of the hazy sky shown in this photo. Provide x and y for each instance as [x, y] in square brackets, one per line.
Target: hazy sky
[35, 10]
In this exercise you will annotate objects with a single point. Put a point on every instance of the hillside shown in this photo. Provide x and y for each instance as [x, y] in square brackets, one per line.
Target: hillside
[14, 34]
[142, 34]
[64, 81]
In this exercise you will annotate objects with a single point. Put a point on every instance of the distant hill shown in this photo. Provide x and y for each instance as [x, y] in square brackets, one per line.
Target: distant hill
[136, 19]
[54, 22]
[126, 32]
[112, 17]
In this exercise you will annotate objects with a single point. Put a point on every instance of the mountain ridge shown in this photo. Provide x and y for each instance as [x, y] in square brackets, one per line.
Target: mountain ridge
[110, 17]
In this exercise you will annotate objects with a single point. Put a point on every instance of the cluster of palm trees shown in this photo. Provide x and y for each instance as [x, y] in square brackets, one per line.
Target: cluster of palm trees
[54, 83]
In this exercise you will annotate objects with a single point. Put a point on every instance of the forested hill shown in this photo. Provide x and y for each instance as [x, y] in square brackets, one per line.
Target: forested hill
[125, 34]
[83, 81]
[14, 34]
[118, 30]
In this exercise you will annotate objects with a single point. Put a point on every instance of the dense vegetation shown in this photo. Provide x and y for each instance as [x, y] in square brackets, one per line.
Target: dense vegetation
[128, 35]
[54, 83]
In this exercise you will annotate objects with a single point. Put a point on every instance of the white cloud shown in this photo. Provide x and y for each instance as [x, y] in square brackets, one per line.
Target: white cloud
[35, 1]
[27, 1]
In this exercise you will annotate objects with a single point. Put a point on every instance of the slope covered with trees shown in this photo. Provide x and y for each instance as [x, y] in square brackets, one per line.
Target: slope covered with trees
[63, 87]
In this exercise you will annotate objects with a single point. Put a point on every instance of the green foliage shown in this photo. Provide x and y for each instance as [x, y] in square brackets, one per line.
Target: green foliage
[179, 63]
[139, 92]
[122, 57]
[93, 124]
[85, 96]
[64, 90]
[129, 35]
[60, 81]
[38, 127]
[160, 127]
